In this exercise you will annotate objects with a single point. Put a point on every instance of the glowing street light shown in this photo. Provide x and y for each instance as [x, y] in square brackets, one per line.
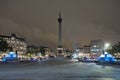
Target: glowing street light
[107, 45]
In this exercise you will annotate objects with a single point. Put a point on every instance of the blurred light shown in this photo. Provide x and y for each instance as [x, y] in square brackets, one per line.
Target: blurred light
[7, 55]
[109, 55]
[92, 50]
[80, 54]
[106, 52]
[95, 46]
[77, 50]
[74, 55]
[102, 55]
[107, 45]
[11, 52]
[14, 55]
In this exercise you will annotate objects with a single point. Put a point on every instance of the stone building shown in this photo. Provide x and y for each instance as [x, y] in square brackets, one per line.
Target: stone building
[18, 44]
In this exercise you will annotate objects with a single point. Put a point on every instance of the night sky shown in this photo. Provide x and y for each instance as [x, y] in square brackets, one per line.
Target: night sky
[83, 20]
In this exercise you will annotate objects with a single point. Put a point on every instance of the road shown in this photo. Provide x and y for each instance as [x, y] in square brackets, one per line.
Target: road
[58, 69]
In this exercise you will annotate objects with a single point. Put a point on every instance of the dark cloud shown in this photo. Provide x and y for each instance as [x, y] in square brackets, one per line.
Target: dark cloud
[83, 20]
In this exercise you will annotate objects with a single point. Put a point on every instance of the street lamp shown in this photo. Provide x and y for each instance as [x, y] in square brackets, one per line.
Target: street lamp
[106, 46]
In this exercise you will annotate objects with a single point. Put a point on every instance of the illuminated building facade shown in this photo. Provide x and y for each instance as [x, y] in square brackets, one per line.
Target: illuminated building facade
[18, 45]
[96, 47]
[86, 48]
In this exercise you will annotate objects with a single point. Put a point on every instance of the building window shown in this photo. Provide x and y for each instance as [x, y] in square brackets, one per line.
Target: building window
[97, 49]
[92, 50]
[12, 38]
[95, 46]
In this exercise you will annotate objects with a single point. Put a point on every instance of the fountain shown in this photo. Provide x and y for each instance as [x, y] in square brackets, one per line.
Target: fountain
[106, 57]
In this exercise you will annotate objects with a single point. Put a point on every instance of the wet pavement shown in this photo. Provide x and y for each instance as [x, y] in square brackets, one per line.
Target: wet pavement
[58, 69]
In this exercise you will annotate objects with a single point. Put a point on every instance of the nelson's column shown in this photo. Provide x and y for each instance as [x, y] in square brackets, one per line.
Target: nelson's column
[60, 48]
